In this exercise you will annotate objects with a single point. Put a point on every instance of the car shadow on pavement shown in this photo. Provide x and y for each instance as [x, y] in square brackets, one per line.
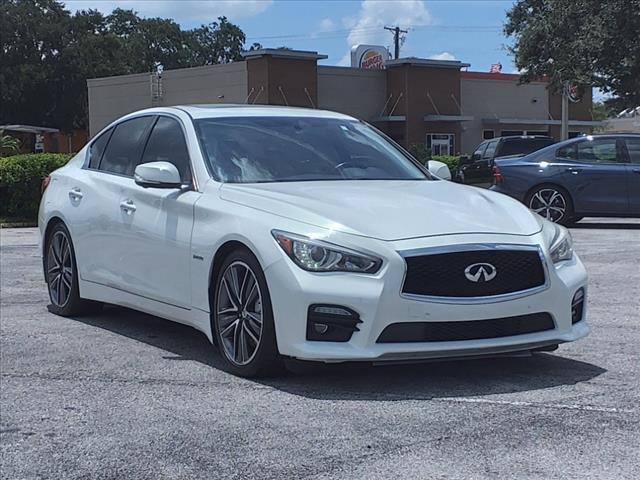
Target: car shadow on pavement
[358, 381]
[606, 225]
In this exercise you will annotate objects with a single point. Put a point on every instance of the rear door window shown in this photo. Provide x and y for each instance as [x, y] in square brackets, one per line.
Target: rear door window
[97, 148]
[633, 147]
[125, 146]
[598, 150]
[167, 144]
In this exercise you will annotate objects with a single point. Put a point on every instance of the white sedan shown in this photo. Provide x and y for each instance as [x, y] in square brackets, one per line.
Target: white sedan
[286, 232]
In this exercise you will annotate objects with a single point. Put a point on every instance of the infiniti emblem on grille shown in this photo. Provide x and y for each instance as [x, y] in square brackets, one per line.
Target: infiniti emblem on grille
[480, 272]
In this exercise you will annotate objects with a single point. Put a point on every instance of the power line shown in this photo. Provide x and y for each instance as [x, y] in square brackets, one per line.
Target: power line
[396, 38]
[346, 32]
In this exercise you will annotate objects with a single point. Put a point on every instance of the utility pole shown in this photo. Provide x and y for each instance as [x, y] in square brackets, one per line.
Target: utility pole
[564, 128]
[396, 39]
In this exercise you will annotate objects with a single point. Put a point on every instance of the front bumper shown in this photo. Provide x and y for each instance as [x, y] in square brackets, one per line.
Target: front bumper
[377, 300]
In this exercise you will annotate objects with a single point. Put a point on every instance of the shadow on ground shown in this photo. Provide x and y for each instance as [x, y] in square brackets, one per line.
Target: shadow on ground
[606, 225]
[362, 381]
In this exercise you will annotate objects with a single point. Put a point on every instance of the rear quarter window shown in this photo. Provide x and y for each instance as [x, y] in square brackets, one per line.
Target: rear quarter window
[96, 149]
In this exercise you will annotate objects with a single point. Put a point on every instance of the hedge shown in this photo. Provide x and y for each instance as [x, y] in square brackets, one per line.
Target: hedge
[423, 155]
[21, 179]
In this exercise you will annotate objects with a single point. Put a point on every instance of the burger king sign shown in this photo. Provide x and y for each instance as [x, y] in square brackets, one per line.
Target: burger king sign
[369, 56]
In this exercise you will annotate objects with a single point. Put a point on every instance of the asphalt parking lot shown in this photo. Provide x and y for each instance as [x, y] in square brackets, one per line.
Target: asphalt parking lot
[127, 395]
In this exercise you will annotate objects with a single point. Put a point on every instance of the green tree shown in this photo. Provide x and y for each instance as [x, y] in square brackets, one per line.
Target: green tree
[601, 111]
[47, 54]
[31, 37]
[582, 41]
[217, 42]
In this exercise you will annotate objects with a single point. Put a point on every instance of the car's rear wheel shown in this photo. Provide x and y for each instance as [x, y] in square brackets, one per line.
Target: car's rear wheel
[243, 318]
[62, 276]
[551, 202]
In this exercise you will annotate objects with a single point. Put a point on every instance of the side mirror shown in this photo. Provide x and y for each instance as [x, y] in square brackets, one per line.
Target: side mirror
[157, 175]
[439, 169]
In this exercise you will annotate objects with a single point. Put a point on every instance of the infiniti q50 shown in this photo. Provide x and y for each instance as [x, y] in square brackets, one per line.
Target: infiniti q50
[294, 233]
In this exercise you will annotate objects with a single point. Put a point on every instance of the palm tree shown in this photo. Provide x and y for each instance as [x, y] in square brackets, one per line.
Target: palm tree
[8, 143]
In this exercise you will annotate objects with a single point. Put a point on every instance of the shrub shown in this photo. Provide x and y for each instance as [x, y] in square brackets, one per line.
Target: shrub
[423, 155]
[420, 152]
[20, 181]
[450, 160]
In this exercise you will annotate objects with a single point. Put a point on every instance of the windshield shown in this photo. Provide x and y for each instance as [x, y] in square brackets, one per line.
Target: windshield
[522, 146]
[288, 149]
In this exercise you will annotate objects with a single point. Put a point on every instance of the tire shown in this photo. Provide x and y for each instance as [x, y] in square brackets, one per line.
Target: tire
[552, 202]
[242, 318]
[61, 275]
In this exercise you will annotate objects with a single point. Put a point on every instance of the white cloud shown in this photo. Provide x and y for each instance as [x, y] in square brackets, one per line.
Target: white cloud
[326, 25]
[183, 11]
[368, 25]
[443, 56]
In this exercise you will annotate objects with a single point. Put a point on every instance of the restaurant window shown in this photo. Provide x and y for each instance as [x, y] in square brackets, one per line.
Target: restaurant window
[488, 134]
[441, 143]
[512, 133]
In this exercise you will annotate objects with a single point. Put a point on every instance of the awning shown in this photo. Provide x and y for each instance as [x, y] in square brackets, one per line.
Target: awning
[28, 129]
[448, 118]
[390, 118]
[539, 121]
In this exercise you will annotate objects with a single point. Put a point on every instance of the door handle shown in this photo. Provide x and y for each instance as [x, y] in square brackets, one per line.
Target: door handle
[636, 170]
[574, 171]
[127, 207]
[76, 194]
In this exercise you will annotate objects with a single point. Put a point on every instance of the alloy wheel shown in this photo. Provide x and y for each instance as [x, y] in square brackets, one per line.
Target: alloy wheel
[549, 203]
[239, 313]
[59, 269]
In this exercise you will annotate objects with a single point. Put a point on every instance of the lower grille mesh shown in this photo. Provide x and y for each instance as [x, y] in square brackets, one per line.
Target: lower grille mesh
[466, 330]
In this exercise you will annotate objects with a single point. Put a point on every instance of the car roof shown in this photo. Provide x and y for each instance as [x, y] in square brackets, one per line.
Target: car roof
[243, 110]
[525, 137]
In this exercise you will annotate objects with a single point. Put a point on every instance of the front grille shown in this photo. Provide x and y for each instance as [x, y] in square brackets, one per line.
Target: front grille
[466, 330]
[443, 274]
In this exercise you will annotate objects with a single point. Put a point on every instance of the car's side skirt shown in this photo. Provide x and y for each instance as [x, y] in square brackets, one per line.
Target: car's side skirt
[193, 317]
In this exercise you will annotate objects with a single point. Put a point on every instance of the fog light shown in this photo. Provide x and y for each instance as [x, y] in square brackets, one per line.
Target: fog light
[321, 328]
[577, 306]
[331, 323]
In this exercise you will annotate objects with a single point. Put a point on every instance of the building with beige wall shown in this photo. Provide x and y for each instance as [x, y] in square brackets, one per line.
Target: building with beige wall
[414, 100]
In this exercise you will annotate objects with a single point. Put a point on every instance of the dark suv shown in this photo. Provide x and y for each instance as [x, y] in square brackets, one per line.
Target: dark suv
[478, 169]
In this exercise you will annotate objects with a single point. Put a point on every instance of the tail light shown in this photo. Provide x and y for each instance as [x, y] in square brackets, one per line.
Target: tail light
[45, 183]
[497, 175]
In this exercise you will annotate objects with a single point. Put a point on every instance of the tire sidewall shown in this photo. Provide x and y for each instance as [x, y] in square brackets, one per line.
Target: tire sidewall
[267, 355]
[74, 295]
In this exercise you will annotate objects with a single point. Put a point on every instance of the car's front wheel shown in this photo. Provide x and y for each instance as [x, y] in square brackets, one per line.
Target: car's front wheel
[62, 276]
[551, 202]
[243, 319]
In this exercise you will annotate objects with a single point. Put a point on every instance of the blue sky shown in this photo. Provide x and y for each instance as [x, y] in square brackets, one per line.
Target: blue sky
[467, 30]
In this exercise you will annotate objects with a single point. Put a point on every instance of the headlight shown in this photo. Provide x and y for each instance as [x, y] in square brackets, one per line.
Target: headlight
[559, 240]
[317, 256]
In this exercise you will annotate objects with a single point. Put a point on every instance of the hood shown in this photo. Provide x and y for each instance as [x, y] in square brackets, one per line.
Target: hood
[389, 209]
